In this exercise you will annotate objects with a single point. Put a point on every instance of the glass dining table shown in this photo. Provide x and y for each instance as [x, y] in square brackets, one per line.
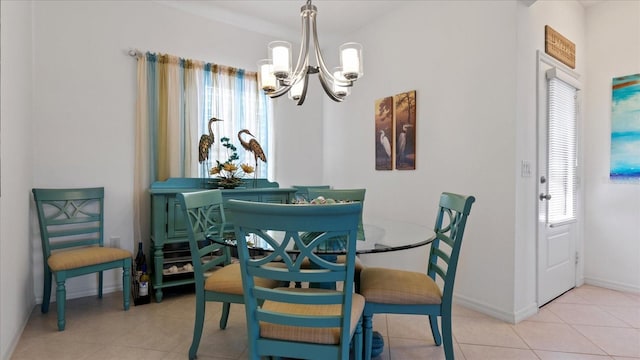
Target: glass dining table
[380, 236]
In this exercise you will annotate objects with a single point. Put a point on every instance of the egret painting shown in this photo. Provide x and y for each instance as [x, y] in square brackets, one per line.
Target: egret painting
[625, 128]
[404, 109]
[384, 133]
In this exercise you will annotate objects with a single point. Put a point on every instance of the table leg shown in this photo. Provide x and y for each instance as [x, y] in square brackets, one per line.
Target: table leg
[374, 345]
[377, 345]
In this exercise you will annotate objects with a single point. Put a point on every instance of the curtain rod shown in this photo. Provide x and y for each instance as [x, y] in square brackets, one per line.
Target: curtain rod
[134, 52]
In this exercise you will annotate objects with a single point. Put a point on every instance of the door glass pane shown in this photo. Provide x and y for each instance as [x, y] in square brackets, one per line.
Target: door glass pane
[562, 160]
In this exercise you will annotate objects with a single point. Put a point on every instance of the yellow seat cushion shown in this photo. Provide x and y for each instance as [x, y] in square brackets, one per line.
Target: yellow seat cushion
[390, 286]
[77, 258]
[228, 280]
[309, 334]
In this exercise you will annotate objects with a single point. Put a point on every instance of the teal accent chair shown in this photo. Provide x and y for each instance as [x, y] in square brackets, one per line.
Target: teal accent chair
[303, 191]
[71, 223]
[216, 278]
[345, 195]
[303, 323]
[393, 291]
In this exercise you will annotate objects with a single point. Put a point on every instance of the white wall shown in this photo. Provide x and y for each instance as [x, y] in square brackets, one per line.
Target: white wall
[16, 149]
[84, 104]
[612, 210]
[299, 154]
[460, 57]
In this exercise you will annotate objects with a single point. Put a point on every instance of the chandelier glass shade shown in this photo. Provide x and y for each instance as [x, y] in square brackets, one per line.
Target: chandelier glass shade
[277, 76]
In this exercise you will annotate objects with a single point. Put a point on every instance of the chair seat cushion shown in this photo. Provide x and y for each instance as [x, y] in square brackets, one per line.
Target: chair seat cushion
[77, 258]
[309, 334]
[228, 280]
[390, 286]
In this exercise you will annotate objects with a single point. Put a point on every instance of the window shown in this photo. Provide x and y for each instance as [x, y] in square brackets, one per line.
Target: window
[562, 157]
[234, 96]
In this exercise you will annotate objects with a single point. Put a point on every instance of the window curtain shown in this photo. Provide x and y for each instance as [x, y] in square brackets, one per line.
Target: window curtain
[194, 101]
[233, 95]
[175, 99]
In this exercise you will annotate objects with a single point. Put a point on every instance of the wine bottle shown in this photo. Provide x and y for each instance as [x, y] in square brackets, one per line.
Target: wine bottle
[140, 260]
[143, 290]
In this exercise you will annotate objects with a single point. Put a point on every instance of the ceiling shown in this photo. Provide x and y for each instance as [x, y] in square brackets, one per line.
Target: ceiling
[587, 3]
[281, 18]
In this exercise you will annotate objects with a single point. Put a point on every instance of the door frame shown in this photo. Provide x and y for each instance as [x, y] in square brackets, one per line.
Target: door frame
[543, 62]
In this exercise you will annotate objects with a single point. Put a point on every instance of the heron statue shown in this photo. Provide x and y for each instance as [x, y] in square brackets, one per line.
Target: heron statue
[253, 146]
[205, 142]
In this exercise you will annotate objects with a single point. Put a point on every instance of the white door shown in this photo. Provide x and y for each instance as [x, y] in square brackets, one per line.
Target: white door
[557, 193]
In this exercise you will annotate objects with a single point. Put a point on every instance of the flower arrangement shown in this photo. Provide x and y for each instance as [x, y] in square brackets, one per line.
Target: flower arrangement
[229, 174]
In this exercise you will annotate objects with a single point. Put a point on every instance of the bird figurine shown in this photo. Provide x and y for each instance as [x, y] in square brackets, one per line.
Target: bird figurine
[205, 142]
[252, 146]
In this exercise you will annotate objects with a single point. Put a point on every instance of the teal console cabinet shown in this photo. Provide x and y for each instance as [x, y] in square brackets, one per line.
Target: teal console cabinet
[169, 241]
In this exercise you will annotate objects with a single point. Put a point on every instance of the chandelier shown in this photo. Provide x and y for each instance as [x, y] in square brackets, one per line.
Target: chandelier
[277, 78]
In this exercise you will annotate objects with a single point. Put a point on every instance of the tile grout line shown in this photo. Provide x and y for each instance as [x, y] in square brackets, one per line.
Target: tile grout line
[578, 331]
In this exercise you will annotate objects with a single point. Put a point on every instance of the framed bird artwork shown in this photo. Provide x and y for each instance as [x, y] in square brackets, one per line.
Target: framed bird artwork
[384, 133]
[404, 120]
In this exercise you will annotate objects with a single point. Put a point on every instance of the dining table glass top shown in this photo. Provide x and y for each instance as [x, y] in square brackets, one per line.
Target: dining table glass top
[380, 235]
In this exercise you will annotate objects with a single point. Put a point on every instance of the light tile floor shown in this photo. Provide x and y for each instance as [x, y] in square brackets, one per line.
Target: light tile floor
[587, 323]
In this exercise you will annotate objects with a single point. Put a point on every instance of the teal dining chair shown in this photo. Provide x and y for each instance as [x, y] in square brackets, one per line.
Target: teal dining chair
[71, 223]
[393, 291]
[216, 277]
[356, 195]
[342, 195]
[302, 323]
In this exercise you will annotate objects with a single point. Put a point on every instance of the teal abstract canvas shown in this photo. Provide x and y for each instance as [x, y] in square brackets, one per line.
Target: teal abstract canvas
[625, 128]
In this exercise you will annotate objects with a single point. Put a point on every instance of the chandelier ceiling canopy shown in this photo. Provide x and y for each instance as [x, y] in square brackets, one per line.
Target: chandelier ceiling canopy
[278, 78]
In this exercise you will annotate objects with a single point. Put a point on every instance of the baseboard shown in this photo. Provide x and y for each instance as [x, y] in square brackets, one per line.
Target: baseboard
[525, 313]
[532, 308]
[613, 285]
[13, 344]
[83, 293]
[484, 308]
[487, 309]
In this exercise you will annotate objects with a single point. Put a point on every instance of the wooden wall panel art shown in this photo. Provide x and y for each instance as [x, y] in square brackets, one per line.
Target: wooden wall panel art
[559, 47]
[404, 110]
[384, 133]
[395, 132]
